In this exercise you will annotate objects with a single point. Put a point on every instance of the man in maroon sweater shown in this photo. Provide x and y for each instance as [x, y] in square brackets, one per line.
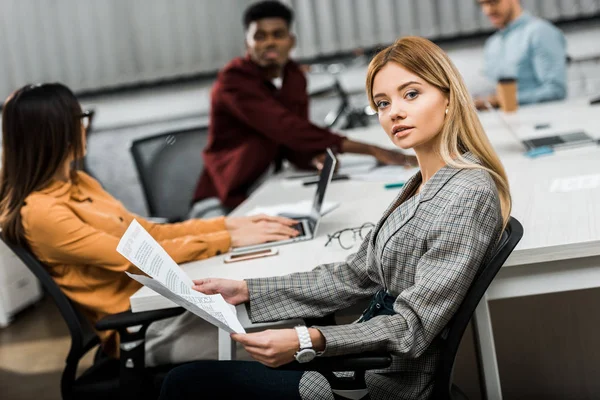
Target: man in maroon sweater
[259, 113]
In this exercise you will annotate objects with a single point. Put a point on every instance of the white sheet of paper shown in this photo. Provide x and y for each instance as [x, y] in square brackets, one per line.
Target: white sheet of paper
[386, 174]
[576, 183]
[350, 164]
[211, 308]
[140, 248]
[169, 280]
[299, 208]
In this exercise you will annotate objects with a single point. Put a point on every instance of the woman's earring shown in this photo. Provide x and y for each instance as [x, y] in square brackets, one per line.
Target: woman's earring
[446, 111]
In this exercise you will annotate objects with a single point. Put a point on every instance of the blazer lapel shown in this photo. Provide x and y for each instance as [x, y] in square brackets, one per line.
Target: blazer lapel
[410, 187]
[375, 267]
[440, 178]
[429, 190]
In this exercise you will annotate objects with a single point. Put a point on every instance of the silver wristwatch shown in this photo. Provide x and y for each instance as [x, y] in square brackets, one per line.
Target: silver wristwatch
[306, 352]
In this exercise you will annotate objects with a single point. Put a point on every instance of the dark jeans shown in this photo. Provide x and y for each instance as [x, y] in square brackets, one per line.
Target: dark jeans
[211, 379]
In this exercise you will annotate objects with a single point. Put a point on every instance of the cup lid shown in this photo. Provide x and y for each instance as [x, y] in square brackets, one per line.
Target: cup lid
[507, 79]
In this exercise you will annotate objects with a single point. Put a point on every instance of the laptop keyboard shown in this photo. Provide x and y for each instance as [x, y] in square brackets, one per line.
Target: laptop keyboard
[300, 228]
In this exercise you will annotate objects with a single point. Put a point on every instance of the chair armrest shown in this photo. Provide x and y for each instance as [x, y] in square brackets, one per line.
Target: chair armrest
[129, 318]
[327, 320]
[352, 362]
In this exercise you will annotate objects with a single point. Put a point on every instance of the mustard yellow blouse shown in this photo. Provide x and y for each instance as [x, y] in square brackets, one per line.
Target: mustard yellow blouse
[74, 229]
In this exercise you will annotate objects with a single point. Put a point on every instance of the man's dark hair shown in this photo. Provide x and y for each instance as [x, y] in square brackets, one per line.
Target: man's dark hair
[267, 9]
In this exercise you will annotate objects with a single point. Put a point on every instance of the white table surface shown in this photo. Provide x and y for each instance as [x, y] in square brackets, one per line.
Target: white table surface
[557, 225]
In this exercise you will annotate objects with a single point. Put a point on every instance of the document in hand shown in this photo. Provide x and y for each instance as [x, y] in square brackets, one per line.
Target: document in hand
[169, 280]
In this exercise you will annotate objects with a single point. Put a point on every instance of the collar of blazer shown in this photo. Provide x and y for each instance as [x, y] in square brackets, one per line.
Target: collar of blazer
[430, 189]
[439, 179]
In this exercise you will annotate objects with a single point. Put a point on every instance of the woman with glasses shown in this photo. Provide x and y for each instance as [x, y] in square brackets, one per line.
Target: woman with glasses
[416, 264]
[73, 226]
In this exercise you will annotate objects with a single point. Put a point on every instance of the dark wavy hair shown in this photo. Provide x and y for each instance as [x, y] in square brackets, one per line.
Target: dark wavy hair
[41, 129]
[268, 9]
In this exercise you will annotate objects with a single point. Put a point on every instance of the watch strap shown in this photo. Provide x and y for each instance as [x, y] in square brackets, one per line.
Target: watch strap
[304, 337]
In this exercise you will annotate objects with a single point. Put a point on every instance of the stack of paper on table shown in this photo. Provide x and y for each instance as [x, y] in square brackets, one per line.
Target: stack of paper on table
[300, 208]
[366, 168]
[168, 279]
[386, 174]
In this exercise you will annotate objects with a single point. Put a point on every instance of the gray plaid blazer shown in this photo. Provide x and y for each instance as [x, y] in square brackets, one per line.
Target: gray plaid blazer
[427, 256]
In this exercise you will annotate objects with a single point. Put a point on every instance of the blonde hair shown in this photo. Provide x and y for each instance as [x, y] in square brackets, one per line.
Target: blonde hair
[462, 130]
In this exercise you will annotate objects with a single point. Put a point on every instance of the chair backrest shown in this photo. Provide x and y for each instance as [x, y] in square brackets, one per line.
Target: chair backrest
[456, 327]
[83, 336]
[331, 98]
[169, 166]
[86, 167]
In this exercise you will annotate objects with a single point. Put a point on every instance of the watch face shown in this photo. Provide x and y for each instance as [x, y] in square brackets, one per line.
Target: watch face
[305, 355]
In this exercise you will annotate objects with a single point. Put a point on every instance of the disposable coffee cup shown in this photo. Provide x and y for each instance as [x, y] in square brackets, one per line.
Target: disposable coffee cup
[506, 91]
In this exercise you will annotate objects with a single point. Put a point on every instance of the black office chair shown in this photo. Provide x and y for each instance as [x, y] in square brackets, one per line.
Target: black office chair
[449, 338]
[342, 116]
[86, 167]
[169, 166]
[126, 377]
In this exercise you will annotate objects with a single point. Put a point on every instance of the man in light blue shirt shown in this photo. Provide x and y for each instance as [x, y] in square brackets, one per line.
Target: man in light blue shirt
[527, 48]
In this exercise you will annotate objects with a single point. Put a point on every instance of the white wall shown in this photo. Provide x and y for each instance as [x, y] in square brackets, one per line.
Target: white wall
[91, 44]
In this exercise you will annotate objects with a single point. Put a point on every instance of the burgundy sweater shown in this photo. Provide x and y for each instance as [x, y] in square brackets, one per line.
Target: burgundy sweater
[252, 125]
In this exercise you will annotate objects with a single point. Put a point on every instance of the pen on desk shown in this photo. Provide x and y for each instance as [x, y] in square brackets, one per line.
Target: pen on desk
[395, 185]
[338, 177]
[304, 176]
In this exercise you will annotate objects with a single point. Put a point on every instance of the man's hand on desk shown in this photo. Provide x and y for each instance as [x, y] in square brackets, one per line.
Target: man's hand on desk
[384, 156]
[391, 157]
[319, 161]
[233, 291]
[246, 231]
[484, 103]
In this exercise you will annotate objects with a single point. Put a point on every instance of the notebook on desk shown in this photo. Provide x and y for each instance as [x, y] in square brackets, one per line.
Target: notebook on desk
[307, 224]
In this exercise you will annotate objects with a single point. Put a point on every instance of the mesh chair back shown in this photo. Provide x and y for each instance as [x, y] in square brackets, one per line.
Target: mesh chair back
[83, 336]
[328, 101]
[87, 168]
[456, 328]
[169, 166]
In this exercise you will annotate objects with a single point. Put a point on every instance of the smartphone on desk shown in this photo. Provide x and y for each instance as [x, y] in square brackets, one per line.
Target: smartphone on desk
[250, 255]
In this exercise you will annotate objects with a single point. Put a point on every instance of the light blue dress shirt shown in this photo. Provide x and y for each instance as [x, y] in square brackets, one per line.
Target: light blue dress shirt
[533, 51]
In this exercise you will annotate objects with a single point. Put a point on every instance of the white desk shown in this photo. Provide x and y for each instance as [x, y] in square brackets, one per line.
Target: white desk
[560, 250]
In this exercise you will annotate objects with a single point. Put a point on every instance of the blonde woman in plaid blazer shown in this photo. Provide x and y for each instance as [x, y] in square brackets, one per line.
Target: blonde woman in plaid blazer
[424, 251]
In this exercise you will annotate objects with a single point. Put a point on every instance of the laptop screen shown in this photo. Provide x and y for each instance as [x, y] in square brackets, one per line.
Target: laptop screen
[324, 180]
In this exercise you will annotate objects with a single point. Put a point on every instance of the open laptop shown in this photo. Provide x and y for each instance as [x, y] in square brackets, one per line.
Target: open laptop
[307, 224]
[560, 140]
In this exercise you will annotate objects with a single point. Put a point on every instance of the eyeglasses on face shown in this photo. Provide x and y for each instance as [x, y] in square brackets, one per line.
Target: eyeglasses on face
[348, 237]
[86, 119]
